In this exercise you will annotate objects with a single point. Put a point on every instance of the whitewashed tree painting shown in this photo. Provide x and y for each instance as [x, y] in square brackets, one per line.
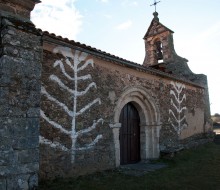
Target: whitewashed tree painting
[77, 62]
[177, 112]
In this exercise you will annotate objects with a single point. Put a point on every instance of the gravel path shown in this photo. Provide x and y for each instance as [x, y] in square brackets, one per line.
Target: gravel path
[140, 169]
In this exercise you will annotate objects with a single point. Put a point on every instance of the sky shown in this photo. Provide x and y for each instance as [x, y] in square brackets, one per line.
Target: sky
[118, 27]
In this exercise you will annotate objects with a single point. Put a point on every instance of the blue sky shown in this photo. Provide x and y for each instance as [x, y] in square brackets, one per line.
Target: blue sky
[118, 27]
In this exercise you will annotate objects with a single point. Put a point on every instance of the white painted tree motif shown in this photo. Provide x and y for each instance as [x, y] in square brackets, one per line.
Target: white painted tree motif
[73, 61]
[177, 112]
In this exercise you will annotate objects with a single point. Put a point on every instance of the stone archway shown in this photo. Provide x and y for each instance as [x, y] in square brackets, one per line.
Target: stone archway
[149, 122]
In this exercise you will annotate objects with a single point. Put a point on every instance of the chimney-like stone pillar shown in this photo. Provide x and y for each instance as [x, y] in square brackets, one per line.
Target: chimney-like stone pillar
[20, 72]
[20, 8]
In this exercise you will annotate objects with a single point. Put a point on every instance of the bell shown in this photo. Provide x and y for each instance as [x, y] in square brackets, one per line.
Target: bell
[159, 55]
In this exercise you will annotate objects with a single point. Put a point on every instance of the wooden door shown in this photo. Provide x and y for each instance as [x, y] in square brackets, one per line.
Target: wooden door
[129, 135]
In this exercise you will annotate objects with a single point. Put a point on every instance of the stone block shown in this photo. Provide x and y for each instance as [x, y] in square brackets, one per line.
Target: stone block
[31, 84]
[7, 158]
[33, 126]
[29, 168]
[19, 169]
[11, 51]
[21, 102]
[5, 143]
[4, 91]
[27, 54]
[4, 110]
[28, 156]
[19, 127]
[25, 143]
[33, 112]
[3, 184]
[33, 71]
[5, 170]
[6, 38]
[5, 78]
[20, 38]
[9, 68]
[33, 181]
[3, 129]
[18, 182]
[33, 99]
[14, 70]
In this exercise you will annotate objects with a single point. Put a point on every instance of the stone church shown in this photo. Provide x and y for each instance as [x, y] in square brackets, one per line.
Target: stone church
[68, 109]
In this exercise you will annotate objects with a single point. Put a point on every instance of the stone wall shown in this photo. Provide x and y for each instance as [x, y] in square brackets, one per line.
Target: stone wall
[75, 97]
[106, 81]
[20, 71]
[60, 154]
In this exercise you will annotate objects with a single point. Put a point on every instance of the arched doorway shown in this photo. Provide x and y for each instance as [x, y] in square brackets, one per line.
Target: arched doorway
[129, 135]
[149, 114]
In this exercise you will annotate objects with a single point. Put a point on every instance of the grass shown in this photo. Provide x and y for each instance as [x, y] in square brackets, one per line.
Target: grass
[195, 169]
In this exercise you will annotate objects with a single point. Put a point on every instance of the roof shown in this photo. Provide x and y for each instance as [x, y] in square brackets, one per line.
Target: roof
[52, 38]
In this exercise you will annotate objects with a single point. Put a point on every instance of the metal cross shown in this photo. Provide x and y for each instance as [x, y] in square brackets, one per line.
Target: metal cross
[155, 4]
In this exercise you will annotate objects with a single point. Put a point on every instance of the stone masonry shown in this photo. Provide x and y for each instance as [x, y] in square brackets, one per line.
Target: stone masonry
[117, 82]
[20, 72]
[61, 102]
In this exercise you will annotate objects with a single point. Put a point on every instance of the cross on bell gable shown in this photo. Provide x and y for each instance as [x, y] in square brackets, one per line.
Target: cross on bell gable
[155, 4]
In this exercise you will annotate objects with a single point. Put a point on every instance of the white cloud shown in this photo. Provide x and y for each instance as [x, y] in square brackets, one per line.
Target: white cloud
[59, 17]
[124, 25]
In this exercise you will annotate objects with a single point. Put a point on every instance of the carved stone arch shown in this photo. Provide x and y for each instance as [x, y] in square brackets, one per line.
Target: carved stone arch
[156, 38]
[144, 103]
[149, 121]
